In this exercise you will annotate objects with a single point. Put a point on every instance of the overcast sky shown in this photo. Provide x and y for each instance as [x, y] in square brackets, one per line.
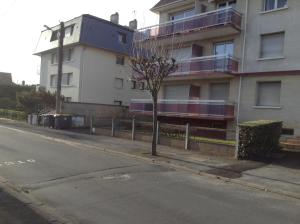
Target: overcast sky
[21, 22]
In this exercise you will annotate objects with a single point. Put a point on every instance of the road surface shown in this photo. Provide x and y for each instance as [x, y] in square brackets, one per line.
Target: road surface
[92, 186]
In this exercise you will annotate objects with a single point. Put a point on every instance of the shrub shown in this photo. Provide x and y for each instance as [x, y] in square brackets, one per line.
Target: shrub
[258, 138]
[12, 114]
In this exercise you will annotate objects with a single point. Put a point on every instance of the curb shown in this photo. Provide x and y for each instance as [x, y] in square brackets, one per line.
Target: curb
[38, 207]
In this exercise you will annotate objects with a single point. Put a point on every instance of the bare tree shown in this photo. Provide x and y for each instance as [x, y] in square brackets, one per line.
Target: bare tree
[152, 62]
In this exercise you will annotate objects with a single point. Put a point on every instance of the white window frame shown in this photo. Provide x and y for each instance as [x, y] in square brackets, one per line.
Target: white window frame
[275, 6]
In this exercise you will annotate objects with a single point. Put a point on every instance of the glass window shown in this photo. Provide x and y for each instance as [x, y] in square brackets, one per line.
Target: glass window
[224, 48]
[122, 38]
[274, 4]
[182, 14]
[272, 45]
[69, 31]
[133, 84]
[68, 99]
[268, 94]
[54, 35]
[53, 80]
[67, 79]
[120, 60]
[68, 54]
[54, 59]
[226, 4]
[118, 83]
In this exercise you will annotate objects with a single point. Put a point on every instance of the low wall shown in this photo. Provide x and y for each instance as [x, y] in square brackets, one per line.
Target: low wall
[96, 110]
[203, 147]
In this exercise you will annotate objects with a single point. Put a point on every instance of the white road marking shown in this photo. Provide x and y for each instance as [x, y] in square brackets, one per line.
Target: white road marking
[19, 162]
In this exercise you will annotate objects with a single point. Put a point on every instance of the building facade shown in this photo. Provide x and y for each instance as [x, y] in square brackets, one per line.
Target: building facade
[95, 62]
[5, 78]
[238, 61]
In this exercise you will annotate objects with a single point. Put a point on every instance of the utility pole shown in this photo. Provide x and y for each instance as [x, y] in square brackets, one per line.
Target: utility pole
[61, 34]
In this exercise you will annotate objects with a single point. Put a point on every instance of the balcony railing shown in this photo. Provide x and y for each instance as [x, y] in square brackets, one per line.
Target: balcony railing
[221, 17]
[186, 108]
[214, 63]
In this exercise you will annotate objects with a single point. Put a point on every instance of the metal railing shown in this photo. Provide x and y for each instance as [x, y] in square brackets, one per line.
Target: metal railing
[187, 108]
[210, 19]
[214, 63]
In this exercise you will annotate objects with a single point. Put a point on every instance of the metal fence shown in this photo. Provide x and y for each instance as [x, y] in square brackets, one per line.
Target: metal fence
[187, 133]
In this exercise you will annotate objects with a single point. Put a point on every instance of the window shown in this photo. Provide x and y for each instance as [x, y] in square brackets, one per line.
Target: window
[68, 99]
[274, 4]
[53, 80]
[120, 60]
[268, 94]
[66, 80]
[69, 31]
[226, 4]
[122, 38]
[141, 85]
[219, 91]
[68, 55]
[118, 83]
[54, 35]
[224, 48]
[272, 45]
[182, 14]
[133, 84]
[54, 58]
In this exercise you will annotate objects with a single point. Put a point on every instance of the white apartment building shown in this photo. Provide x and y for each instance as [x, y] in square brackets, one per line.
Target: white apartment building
[238, 61]
[95, 66]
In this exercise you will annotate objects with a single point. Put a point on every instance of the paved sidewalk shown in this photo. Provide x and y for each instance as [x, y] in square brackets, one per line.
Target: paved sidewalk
[281, 175]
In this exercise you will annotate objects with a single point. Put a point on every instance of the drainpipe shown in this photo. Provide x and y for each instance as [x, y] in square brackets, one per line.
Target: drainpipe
[241, 78]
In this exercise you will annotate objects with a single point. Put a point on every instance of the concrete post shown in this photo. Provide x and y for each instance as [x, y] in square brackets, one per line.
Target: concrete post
[187, 137]
[112, 127]
[157, 133]
[133, 130]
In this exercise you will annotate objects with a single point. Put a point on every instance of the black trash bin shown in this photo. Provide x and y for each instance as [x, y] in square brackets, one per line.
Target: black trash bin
[48, 120]
[62, 121]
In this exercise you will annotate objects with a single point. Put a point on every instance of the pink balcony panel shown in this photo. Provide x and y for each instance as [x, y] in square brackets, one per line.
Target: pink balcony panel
[186, 108]
[222, 17]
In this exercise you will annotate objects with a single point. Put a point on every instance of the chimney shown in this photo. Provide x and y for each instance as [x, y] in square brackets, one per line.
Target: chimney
[23, 83]
[133, 24]
[114, 18]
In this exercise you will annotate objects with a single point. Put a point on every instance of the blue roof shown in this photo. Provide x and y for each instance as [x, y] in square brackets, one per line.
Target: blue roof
[99, 33]
[93, 32]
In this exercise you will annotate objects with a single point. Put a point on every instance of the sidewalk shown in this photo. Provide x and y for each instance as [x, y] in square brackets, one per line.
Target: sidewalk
[281, 175]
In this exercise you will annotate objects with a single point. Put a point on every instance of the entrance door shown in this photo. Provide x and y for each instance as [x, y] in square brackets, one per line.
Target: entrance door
[221, 50]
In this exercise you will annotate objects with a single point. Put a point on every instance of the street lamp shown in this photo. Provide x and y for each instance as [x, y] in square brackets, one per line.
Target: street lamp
[61, 34]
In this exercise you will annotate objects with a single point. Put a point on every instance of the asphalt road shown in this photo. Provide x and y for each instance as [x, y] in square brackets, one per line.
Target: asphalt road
[93, 186]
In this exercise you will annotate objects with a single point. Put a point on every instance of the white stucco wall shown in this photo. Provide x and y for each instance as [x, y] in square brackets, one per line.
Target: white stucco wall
[98, 79]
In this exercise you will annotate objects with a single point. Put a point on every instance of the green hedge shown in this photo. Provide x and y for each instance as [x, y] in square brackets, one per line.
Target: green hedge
[258, 139]
[12, 114]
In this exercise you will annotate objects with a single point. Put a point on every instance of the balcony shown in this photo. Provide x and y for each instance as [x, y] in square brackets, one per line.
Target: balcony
[203, 109]
[214, 63]
[228, 19]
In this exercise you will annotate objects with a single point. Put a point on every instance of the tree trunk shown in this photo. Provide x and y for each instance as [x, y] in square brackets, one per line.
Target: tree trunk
[154, 132]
